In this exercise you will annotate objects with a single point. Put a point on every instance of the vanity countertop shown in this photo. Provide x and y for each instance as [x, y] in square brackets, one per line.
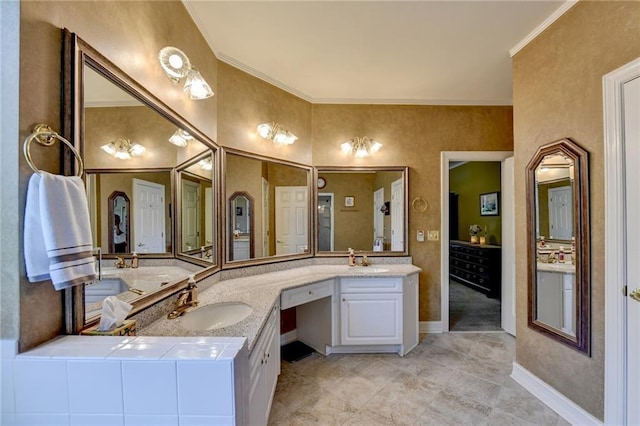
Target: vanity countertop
[145, 278]
[262, 291]
[563, 268]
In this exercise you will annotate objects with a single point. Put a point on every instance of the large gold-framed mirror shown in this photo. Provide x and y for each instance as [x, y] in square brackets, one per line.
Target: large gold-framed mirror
[268, 205]
[363, 208]
[559, 288]
[107, 115]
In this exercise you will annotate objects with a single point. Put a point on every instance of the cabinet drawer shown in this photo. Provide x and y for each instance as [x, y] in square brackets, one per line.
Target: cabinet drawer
[308, 293]
[371, 285]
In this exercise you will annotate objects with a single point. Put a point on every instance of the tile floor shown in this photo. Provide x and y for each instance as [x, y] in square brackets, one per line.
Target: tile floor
[471, 310]
[449, 379]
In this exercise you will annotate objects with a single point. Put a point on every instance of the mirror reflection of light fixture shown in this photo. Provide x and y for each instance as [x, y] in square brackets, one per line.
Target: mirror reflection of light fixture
[180, 138]
[177, 66]
[361, 147]
[123, 149]
[276, 133]
[206, 164]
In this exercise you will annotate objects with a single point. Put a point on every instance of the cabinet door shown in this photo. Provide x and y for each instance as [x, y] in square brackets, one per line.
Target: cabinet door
[371, 319]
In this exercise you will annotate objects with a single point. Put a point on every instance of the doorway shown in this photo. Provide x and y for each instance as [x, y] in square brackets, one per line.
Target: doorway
[325, 222]
[148, 217]
[622, 198]
[507, 280]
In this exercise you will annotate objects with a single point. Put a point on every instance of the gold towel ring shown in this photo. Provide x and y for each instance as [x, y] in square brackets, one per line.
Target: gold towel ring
[47, 137]
[419, 204]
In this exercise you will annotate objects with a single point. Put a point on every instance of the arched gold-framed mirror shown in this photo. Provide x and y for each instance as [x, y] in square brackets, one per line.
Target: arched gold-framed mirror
[559, 287]
[241, 226]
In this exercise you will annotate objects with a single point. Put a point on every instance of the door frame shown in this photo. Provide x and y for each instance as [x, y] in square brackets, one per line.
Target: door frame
[615, 403]
[445, 158]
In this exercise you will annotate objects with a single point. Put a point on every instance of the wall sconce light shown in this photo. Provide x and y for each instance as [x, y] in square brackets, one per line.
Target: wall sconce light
[180, 138]
[177, 66]
[277, 133]
[206, 164]
[361, 147]
[123, 149]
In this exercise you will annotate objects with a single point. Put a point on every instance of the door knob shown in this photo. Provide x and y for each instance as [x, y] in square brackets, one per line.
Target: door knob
[635, 295]
[279, 241]
[140, 244]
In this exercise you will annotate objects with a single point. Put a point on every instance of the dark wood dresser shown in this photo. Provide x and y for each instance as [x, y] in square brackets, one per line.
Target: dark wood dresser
[477, 266]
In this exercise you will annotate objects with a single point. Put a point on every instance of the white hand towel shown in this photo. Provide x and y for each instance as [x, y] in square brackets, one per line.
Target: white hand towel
[57, 234]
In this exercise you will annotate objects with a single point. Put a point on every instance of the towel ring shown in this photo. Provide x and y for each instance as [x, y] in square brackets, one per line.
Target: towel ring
[419, 204]
[47, 137]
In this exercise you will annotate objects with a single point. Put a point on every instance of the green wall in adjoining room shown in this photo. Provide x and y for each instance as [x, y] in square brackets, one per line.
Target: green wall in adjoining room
[469, 180]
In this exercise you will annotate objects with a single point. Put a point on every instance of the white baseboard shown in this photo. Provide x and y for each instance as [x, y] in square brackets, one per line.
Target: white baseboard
[430, 327]
[8, 348]
[289, 337]
[567, 409]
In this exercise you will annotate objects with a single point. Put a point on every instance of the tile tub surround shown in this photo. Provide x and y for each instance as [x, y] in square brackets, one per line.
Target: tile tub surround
[118, 380]
[262, 292]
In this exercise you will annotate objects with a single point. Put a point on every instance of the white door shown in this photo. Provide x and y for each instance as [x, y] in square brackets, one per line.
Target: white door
[292, 220]
[560, 213]
[631, 99]
[397, 215]
[190, 215]
[378, 215]
[325, 222]
[148, 217]
[265, 220]
[508, 302]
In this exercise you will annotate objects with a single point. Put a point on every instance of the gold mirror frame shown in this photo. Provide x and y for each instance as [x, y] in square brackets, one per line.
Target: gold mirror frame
[225, 235]
[76, 54]
[403, 170]
[582, 288]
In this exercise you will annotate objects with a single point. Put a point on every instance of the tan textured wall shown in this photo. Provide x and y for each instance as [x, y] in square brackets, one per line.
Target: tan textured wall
[130, 34]
[557, 94]
[246, 101]
[413, 136]
[469, 181]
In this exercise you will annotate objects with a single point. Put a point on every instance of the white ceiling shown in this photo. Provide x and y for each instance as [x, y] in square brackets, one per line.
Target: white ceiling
[401, 52]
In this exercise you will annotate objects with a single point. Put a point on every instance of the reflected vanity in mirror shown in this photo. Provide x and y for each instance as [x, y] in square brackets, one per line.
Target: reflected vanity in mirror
[362, 208]
[138, 155]
[558, 243]
[268, 208]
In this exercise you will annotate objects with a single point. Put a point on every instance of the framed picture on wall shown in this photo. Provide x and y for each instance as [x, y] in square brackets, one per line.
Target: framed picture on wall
[349, 201]
[489, 204]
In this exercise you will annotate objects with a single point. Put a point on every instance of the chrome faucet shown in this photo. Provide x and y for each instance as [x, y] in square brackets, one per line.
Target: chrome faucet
[187, 298]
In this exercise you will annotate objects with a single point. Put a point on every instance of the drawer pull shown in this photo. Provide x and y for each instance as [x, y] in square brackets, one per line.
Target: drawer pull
[310, 292]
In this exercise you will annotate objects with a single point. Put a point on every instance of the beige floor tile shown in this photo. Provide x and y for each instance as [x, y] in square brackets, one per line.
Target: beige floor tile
[459, 409]
[353, 389]
[500, 418]
[362, 419]
[473, 387]
[520, 403]
[377, 372]
[324, 408]
[293, 388]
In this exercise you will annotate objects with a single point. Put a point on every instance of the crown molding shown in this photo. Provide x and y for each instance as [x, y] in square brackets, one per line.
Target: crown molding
[543, 26]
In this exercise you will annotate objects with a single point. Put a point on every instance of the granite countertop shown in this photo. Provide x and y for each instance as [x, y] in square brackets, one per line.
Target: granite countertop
[564, 268]
[262, 292]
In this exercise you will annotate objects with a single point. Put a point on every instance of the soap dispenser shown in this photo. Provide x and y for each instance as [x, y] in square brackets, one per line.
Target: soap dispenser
[352, 257]
[134, 260]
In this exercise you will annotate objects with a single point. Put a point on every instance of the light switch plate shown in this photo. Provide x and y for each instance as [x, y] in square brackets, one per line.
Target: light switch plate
[433, 235]
[420, 236]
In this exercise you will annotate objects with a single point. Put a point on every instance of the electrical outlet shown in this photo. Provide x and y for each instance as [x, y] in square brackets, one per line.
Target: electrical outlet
[433, 235]
[420, 236]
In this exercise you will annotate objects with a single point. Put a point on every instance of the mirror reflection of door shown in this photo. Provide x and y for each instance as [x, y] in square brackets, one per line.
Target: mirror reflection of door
[148, 217]
[118, 203]
[190, 215]
[325, 222]
[292, 213]
[241, 238]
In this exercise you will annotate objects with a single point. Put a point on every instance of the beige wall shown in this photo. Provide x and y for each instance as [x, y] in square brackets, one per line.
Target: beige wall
[130, 34]
[469, 181]
[558, 94]
[413, 136]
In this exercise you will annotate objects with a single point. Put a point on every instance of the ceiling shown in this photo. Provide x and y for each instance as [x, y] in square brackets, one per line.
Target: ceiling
[394, 52]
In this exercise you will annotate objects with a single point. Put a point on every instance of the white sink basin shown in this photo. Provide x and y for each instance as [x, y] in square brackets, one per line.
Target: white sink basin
[217, 315]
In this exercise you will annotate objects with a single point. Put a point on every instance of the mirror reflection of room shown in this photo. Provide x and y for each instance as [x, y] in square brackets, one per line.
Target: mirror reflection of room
[362, 210]
[475, 237]
[196, 208]
[268, 208]
[555, 243]
[127, 149]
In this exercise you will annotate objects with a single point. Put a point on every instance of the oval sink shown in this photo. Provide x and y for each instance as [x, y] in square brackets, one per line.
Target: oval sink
[217, 315]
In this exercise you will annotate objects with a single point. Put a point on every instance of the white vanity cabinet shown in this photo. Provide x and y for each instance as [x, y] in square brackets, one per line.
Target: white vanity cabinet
[555, 300]
[264, 368]
[377, 312]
